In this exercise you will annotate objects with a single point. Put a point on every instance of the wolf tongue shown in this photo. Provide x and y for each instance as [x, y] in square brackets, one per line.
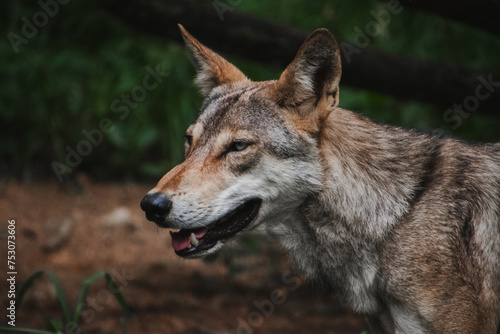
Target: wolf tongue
[181, 239]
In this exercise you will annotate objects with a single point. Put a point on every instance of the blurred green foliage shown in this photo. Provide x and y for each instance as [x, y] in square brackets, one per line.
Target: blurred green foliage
[66, 78]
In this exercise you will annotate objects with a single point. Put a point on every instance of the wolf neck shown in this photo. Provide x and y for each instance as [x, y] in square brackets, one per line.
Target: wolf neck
[372, 173]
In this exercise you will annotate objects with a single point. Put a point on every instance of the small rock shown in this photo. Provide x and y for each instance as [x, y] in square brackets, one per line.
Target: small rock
[118, 217]
[59, 235]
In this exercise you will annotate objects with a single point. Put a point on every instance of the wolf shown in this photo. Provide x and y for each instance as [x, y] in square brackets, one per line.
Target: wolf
[400, 225]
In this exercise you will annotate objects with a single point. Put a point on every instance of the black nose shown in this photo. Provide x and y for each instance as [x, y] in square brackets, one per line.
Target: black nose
[156, 206]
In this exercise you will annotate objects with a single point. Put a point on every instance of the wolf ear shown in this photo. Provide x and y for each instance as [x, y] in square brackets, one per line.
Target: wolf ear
[212, 69]
[313, 75]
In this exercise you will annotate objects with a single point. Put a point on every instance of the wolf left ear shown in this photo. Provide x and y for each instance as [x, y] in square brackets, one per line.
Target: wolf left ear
[313, 75]
[212, 69]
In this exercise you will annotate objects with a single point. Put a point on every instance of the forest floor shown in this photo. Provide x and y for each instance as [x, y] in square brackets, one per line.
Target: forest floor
[245, 289]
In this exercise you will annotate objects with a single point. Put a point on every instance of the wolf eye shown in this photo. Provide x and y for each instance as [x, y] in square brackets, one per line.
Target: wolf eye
[238, 146]
[188, 139]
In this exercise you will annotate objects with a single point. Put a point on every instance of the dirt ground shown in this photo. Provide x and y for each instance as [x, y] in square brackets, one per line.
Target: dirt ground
[247, 288]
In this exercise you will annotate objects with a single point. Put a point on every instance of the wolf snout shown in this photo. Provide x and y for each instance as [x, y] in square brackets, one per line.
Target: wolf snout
[156, 206]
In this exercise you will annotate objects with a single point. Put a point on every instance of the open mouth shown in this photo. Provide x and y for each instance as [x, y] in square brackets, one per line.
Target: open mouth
[193, 242]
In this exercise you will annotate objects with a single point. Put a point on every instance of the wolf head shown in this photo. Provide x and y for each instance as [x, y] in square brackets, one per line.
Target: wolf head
[253, 154]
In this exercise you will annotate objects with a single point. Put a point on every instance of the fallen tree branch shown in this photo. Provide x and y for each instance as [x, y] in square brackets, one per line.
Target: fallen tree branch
[275, 45]
[482, 14]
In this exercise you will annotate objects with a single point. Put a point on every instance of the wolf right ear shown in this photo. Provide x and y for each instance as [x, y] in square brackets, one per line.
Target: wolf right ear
[313, 75]
[212, 69]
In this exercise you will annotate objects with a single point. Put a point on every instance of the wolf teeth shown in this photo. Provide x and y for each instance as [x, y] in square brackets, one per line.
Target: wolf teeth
[194, 241]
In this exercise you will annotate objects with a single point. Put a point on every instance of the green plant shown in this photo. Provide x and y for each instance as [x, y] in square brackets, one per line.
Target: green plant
[70, 319]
